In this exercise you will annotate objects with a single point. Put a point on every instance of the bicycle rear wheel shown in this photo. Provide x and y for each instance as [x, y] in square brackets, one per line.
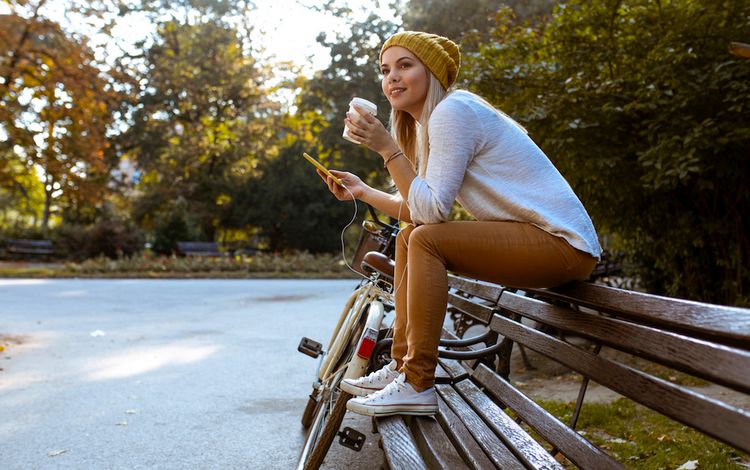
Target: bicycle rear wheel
[318, 454]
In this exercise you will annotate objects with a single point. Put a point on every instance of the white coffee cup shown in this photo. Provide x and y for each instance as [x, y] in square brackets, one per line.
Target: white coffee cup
[368, 106]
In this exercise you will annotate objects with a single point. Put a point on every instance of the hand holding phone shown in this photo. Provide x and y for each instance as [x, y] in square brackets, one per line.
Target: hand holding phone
[320, 167]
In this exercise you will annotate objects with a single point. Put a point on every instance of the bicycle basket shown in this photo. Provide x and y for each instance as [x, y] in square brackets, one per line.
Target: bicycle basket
[369, 240]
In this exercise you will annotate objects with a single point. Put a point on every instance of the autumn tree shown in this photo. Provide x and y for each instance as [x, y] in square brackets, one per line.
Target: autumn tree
[56, 104]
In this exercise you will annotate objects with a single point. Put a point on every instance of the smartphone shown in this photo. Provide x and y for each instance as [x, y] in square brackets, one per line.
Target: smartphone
[320, 167]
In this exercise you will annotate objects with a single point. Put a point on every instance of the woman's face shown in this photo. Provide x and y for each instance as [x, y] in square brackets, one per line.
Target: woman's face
[405, 80]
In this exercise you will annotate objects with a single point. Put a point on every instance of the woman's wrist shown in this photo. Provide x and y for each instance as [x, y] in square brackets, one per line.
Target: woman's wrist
[388, 151]
[398, 153]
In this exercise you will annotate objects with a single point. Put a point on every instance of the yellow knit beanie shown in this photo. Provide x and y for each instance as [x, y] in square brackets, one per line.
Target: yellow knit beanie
[439, 54]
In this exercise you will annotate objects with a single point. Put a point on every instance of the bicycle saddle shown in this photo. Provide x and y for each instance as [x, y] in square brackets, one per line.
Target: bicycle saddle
[376, 261]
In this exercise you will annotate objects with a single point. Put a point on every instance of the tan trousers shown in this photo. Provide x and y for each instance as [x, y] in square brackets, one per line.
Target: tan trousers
[512, 254]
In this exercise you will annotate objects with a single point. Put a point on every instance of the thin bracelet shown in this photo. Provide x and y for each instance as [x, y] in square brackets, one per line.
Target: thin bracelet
[391, 157]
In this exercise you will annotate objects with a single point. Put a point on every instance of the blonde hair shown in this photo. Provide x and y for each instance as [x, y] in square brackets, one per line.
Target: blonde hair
[413, 137]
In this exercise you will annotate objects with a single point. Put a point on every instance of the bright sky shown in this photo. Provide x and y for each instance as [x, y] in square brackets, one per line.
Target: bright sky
[290, 27]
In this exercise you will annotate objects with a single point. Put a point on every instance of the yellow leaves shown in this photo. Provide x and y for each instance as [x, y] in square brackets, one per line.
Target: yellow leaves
[223, 199]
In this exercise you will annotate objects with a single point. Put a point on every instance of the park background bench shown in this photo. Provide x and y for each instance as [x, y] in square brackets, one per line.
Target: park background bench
[623, 340]
[203, 249]
[20, 248]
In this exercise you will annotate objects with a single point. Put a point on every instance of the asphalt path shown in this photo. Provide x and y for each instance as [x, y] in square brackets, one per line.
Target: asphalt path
[167, 374]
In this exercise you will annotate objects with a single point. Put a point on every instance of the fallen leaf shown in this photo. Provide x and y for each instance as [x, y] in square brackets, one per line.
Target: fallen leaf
[121, 423]
[663, 437]
[689, 465]
[672, 378]
[2, 348]
[55, 453]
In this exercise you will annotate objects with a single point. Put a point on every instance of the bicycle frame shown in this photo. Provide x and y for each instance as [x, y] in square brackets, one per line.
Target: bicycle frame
[365, 296]
[350, 348]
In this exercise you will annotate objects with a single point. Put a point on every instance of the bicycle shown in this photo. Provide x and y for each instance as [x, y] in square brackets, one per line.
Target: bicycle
[361, 343]
[350, 350]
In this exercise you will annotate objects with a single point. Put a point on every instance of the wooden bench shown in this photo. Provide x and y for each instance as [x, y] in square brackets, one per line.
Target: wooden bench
[20, 248]
[207, 249]
[604, 334]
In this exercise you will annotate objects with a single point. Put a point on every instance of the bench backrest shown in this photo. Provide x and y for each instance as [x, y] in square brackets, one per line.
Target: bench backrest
[26, 246]
[706, 341]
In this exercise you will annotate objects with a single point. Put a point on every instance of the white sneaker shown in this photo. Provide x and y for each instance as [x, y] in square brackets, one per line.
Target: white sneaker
[397, 398]
[371, 383]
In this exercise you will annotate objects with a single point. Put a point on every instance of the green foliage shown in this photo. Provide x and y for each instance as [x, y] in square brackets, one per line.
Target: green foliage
[199, 123]
[111, 238]
[456, 18]
[291, 205]
[175, 224]
[643, 439]
[353, 72]
[645, 113]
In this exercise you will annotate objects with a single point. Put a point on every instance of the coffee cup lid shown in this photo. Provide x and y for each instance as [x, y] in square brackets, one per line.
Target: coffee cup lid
[369, 105]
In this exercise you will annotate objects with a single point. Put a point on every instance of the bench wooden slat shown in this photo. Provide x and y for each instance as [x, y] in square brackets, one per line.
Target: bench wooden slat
[575, 447]
[481, 313]
[465, 443]
[453, 369]
[483, 290]
[718, 363]
[398, 444]
[726, 325]
[495, 449]
[516, 439]
[437, 449]
[720, 420]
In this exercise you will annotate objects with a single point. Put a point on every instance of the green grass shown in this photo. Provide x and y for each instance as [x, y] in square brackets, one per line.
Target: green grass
[643, 439]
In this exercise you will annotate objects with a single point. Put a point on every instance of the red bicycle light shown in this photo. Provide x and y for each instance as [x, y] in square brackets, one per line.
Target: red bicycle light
[367, 344]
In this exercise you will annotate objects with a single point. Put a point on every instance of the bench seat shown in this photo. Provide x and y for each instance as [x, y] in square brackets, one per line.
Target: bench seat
[485, 421]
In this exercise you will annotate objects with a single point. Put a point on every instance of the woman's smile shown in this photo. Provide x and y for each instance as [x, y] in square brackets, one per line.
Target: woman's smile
[405, 80]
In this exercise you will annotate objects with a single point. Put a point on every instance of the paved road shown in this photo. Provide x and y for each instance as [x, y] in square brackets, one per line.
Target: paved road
[168, 374]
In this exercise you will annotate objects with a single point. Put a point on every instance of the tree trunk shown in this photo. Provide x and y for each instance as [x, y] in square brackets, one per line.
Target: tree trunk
[47, 204]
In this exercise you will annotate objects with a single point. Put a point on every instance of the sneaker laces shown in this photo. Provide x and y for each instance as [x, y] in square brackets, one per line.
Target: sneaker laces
[379, 374]
[396, 386]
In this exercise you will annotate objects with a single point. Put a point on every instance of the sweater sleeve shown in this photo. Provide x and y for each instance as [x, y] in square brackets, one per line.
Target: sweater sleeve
[455, 134]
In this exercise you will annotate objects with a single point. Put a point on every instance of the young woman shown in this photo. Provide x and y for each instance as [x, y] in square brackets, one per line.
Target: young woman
[530, 229]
